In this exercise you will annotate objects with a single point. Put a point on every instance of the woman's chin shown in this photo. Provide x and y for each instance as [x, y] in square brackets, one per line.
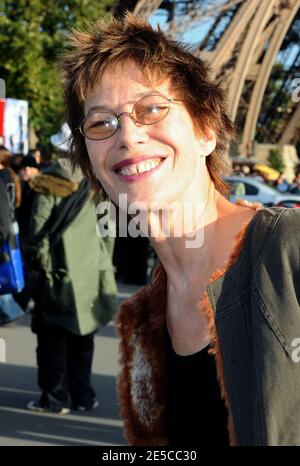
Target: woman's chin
[132, 196]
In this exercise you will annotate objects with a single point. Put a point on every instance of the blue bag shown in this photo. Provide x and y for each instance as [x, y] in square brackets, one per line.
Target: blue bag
[11, 266]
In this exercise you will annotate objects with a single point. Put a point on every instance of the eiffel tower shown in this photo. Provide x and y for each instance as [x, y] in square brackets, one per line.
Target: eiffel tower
[242, 45]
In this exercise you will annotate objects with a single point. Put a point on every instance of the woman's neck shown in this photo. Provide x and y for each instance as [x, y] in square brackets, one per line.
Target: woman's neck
[179, 254]
[221, 221]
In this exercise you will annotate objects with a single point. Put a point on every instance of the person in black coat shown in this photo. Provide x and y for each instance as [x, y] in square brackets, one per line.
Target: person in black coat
[9, 309]
[4, 213]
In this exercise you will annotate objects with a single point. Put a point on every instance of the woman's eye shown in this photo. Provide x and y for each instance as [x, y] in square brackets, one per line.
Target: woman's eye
[155, 108]
[100, 123]
[152, 109]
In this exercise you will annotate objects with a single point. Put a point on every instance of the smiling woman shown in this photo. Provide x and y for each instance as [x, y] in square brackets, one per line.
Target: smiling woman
[104, 49]
[149, 124]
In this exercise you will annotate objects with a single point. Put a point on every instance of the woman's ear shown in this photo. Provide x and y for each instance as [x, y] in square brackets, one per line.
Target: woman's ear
[207, 142]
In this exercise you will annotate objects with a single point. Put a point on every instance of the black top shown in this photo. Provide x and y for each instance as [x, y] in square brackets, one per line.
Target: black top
[196, 413]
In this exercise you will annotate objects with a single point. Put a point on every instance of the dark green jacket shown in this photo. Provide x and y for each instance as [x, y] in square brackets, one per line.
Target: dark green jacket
[76, 287]
[254, 311]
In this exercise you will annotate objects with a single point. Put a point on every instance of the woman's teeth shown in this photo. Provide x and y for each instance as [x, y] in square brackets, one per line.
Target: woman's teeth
[141, 167]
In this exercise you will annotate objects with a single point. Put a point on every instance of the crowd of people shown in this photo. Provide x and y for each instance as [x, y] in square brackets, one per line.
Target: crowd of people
[70, 291]
[280, 183]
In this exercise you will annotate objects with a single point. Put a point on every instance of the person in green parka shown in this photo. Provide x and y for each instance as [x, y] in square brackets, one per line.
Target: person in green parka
[73, 286]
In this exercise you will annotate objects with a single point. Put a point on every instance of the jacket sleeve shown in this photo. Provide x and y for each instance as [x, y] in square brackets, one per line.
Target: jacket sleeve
[38, 241]
[106, 251]
[277, 278]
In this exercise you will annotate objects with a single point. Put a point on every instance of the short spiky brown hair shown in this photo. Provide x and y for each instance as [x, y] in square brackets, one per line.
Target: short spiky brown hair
[110, 43]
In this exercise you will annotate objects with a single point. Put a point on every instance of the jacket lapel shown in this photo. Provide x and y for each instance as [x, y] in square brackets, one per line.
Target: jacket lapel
[141, 387]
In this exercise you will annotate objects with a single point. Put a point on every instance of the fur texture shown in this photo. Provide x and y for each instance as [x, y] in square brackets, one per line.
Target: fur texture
[53, 185]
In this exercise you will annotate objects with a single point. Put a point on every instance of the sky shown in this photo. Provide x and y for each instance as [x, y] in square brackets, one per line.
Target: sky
[193, 36]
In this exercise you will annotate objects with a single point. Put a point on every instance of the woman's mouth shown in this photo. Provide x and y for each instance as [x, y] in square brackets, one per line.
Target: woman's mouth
[138, 171]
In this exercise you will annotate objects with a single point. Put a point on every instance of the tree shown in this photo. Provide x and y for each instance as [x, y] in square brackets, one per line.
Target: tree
[31, 36]
[275, 160]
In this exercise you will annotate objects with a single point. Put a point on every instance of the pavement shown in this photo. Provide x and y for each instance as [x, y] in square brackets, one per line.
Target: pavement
[18, 385]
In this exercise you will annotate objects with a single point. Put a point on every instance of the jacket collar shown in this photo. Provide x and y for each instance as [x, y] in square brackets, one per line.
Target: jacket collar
[221, 293]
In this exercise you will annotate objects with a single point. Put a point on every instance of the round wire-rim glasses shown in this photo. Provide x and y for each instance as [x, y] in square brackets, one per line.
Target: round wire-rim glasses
[150, 109]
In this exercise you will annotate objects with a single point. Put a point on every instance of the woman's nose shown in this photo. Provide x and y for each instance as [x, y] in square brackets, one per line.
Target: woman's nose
[130, 132]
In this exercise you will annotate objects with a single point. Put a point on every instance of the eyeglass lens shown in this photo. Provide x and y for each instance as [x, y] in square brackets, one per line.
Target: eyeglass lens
[147, 111]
